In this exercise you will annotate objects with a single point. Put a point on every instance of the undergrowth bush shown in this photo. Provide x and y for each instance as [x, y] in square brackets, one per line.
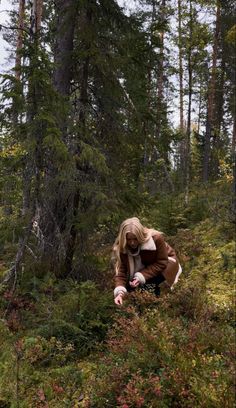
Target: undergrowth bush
[44, 335]
[154, 359]
[177, 350]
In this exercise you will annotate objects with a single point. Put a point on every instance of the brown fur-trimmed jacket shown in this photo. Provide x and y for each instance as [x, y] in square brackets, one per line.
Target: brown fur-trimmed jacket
[157, 257]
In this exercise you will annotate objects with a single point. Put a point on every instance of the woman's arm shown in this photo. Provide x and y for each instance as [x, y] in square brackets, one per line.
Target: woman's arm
[121, 277]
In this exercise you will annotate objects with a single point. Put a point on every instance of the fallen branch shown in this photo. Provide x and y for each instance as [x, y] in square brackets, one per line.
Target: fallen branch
[31, 252]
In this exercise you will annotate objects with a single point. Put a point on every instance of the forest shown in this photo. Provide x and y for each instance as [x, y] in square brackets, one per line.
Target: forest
[108, 110]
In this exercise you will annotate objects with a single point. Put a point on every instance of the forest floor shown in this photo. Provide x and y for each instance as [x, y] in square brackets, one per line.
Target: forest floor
[65, 344]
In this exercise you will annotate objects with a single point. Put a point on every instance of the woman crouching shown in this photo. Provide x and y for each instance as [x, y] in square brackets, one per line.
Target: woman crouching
[142, 257]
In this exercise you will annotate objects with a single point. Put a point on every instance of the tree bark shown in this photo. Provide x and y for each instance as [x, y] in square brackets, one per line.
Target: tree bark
[160, 81]
[211, 112]
[35, 26]
[65, 214]
[57, 205]
[19, 43]
[160, 94]
[190, 92]
[36, 16]
[181, 90]
[64, 45]
[85, 20]
[199, 109]
[70, 247]
[219, 119]
[234, 168]
[182, 164]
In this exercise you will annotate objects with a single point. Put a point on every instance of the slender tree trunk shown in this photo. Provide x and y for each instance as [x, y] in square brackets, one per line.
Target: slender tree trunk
[182, 163]
[219, 116]
[234, 137]
[160, 81]
[210, 122]
[160, 93]
[18, 69]
[33, 91]
[35, 26]
[199, 109]
[19, 43]
[145, 123]
[181, 89]
[234, 168]
[190, 92]
[36, 15]
[26, 185]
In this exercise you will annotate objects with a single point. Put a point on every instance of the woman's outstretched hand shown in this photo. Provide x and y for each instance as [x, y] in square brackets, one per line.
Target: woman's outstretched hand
[134, 283]
[118, 299]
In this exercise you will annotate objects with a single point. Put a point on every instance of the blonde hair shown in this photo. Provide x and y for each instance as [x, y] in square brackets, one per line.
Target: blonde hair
[134, 226]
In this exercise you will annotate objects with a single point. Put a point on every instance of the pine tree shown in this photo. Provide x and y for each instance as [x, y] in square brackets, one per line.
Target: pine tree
[211, 106]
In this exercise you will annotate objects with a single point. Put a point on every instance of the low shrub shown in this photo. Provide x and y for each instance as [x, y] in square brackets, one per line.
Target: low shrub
[160, 357]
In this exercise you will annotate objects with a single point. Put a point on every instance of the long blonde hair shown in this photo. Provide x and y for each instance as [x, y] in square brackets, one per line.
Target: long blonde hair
[134, 226]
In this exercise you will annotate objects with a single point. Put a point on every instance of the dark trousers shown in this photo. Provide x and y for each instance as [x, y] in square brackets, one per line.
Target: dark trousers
[154, 282]
[157, 281]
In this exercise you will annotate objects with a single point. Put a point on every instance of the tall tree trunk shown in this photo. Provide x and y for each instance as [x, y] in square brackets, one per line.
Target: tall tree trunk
[67, 43]
[182, 164]
[33, 96]
[19, 85]
[219, 116]
[19, 43]
[211, 113]
[26, 185]
[36, 16]
[70, 249]
[160, 94]
[35, 26]
[32, 203]
[181, 89]
[58, 204]
[190, 92]
[145, 123]
[199, 109]
[65, 26]
[234, 168]
[160, 80]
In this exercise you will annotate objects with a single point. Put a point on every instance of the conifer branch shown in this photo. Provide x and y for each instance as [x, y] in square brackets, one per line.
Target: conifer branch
[14, 28]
